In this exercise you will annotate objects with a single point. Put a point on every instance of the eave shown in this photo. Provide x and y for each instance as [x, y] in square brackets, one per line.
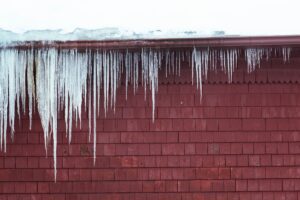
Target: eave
[216, 42]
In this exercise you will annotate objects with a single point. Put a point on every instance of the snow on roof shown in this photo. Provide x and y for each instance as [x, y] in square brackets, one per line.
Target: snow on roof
[100, 34]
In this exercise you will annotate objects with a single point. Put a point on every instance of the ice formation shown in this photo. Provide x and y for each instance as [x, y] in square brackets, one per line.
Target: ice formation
[66, 80]
[205, 59]
[254, 56]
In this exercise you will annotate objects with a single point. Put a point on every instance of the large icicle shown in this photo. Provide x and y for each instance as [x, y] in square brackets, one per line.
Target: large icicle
[89, 66]
[150, 66]
[197, 66]
[30, 85]
[153, 77]
[10, 59]
[94, 110]
[47, 95]
[5, 56]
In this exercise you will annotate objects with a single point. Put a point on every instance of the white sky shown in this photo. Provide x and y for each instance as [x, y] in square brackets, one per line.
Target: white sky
[251, 17]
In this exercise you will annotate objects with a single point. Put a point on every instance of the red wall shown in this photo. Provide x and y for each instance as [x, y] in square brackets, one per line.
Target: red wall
[241, 142]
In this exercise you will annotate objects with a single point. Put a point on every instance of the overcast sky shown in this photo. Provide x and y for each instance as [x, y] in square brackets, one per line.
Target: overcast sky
[252, 17]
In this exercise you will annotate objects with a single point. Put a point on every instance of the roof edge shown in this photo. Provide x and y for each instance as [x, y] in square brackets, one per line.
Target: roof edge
[229, 41]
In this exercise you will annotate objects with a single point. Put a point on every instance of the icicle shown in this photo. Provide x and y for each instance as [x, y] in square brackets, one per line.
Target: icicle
[98, 64]
[193, 64]
[197, 64]
[72, 81]
[205, 61]
[215, 60]
[231, 56]
[159, 52]
[253, 57]
[89, 66]
[10, 59]
[105, 80]
[53, 103]
[94, 110]
[5, 59]
[286, 53]
[172, 63]
[145, 66]
[116, 77]
[47, 95]
[111, 77]
[268, 53]
[30, 85]
[153, 69]
[179, 63]
[128, 71]
[131, 62]
[167, 62]
[135, 71]
[64, 78]
[20, 70]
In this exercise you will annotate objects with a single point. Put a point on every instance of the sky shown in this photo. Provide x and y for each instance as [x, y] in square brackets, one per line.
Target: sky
[252, 17]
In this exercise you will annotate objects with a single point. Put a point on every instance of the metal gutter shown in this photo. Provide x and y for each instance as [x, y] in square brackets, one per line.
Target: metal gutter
[228, 41]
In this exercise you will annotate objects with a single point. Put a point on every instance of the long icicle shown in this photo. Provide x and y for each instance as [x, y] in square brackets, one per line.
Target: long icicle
[94, 110]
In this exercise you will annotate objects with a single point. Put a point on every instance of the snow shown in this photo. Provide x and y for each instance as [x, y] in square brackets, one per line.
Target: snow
[66, 80]
[9, 37]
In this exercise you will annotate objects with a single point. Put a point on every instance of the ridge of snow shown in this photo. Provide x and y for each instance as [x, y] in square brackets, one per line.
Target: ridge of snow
[7, 36]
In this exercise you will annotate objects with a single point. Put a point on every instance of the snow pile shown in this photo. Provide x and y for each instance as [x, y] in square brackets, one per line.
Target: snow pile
[56, 80]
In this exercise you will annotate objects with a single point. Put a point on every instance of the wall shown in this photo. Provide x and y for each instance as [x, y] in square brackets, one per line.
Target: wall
[241, 142]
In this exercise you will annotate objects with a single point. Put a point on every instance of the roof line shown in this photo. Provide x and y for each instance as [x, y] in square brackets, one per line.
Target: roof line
[227, 41]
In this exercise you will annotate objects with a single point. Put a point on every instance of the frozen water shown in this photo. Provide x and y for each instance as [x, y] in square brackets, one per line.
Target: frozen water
[47, 95]
[286, 53]
[66, 80]
[94, 110]
[253, 58]
[205, 59]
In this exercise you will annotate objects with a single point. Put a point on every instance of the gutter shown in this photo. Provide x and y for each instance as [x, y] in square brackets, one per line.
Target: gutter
[217, 42]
